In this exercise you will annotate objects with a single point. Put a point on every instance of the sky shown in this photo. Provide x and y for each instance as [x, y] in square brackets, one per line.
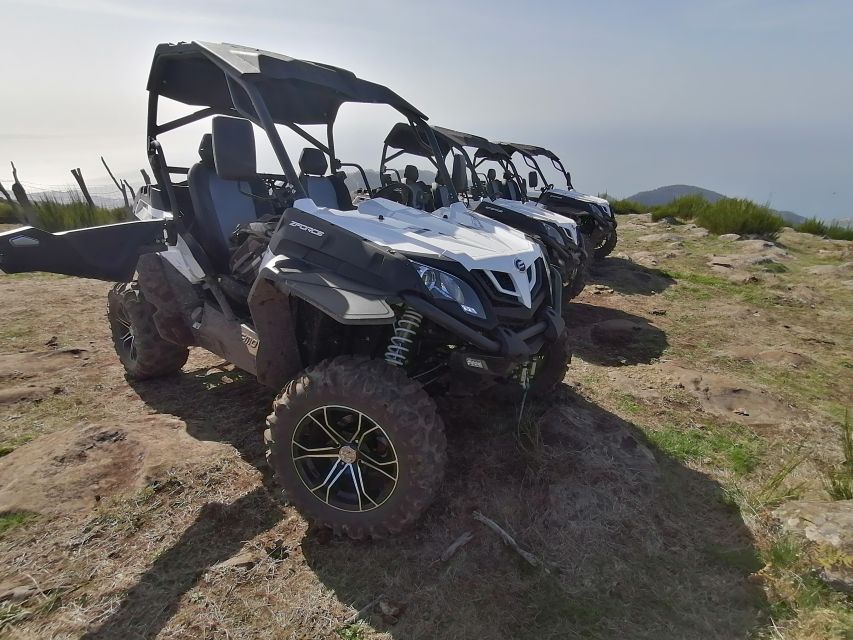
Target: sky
[751, 98]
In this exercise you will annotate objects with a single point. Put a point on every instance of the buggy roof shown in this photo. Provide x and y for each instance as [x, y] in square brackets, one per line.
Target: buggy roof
[529, 150]
[295, 91]
[402, 136]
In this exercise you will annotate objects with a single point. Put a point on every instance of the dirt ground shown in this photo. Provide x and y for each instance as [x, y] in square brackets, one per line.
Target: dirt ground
[710, 382]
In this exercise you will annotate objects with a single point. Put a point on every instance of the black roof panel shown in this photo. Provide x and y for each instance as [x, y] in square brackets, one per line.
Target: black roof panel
[295, 91]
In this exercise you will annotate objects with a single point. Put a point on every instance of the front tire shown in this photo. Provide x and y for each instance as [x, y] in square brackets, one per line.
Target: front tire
[141, 349]
[606, 247]
[357, 446]
[552, 369]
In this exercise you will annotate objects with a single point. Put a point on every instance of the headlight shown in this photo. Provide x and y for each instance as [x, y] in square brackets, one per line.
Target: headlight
[444, 286]
[555, 236]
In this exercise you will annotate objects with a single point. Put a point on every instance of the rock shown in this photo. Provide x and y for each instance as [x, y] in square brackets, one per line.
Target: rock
[245, 559]
[17, 593]
[618, 331]
[730, 236]
[598, 289]
[658, 312]
[645, 258]
[827, 524]
[659, 237]
[729, 398]
[722, 261]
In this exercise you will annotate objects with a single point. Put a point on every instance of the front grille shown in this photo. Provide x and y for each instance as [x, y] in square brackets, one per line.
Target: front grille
[507, 305]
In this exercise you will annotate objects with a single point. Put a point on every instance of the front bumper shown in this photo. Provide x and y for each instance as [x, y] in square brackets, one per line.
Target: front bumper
[517, 346]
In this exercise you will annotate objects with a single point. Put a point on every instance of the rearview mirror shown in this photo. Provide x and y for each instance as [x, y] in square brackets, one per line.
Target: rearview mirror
[460, 174]
[533, 179]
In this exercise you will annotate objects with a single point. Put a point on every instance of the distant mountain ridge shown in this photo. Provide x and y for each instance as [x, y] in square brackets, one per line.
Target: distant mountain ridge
[665, 195]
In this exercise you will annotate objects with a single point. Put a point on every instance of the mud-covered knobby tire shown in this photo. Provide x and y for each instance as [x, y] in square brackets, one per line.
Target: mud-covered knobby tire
[607, 246]
[553, 367]
[394, 401]
[147, 354]
[573, 289]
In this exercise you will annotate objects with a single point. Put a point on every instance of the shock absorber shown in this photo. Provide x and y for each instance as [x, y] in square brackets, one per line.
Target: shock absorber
[405, 330]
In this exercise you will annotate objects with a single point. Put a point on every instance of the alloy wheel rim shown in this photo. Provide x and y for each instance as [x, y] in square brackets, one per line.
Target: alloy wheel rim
[127, 337]
[344, 458]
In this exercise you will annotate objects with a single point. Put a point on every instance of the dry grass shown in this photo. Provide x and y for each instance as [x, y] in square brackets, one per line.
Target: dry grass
[652, 512]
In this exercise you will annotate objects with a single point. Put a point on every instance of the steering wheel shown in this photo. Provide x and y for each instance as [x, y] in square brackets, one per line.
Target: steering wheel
[396, 192]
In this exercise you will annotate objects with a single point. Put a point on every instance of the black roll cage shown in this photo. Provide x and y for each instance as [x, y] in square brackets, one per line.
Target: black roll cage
[456, 143]
[242, 85]
[429, 149]
[529, 154]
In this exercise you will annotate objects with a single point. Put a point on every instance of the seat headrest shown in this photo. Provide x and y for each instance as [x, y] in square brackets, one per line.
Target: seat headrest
[234, 148]
[438, 179]
[411, 173]
[508, 175]
[312, 162]
[205, 150]
[491, 174]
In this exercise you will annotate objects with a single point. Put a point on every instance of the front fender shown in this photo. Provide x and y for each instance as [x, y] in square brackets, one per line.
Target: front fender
[278, 357]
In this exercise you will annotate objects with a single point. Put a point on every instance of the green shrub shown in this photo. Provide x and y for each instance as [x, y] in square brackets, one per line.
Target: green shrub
[624, 207]
[685, 207]
[7, 214]
[820, 228]
[741, 216]
[61, 216]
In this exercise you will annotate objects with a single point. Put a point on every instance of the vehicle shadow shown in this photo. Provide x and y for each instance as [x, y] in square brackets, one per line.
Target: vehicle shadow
[217, 534]
[635, 544]
[629, 277]
[611, 337]
[218, 403]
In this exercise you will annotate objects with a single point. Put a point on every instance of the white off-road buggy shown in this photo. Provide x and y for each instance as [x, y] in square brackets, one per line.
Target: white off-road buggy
[359, 314]
[593, 214]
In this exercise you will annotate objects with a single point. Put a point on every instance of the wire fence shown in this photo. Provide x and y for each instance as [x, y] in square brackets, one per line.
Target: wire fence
[103, 195]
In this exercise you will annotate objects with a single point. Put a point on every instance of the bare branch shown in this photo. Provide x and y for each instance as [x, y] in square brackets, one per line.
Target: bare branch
[78, 176]
[27, 213]
[461, 541]
[120, 186]
[510, 541]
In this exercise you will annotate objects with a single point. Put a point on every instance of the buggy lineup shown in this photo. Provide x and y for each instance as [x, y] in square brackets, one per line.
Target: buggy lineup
[359, 309]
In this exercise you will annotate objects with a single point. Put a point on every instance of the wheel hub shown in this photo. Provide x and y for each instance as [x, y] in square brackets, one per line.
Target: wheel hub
[344, 458]
[348, 454]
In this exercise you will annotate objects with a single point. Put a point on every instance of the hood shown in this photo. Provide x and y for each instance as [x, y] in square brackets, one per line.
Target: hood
[453, 232]
[582, 197]
[531, 210]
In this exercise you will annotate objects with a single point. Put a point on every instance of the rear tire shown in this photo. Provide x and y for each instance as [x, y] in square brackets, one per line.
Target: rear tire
[141, 349]
[379, 420]
[606, 247]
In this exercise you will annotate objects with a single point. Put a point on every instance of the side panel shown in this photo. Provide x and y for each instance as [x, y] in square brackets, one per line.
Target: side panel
[108, 252]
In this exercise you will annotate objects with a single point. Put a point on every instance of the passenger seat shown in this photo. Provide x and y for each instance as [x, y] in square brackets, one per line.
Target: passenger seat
[440, 192]
[325, 191]
[493, 186]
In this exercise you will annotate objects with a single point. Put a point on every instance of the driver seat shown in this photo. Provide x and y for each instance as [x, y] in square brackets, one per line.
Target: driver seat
[326, 191]
[512, 190]
[411, 175]
[222, 201]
